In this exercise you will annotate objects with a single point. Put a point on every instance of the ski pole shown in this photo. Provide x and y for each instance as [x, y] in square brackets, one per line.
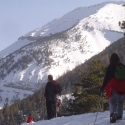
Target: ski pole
[98, 107]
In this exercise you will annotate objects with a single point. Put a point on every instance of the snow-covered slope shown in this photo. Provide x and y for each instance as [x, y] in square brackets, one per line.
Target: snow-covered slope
[84, 119]
[104, 16]
[101, 16]
[57, 47]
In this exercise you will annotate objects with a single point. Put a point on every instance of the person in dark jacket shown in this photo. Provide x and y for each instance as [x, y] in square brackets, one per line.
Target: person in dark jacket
[115, 89]
[50, 96]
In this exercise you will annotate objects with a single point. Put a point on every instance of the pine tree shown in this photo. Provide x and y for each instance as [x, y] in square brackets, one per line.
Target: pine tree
[87, 92]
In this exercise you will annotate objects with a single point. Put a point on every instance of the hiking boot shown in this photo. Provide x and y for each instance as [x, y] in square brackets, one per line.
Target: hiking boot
[113, 118]
[118, 118]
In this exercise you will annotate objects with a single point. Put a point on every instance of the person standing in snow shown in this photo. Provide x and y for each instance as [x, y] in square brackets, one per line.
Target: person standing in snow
[115, 89]
[50, 96]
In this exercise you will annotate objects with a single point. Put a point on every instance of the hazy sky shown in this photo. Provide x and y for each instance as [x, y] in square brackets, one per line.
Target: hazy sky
[18, 17]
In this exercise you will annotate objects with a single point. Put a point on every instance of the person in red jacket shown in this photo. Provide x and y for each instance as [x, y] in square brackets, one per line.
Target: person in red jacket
[115, 89]
[29, 119]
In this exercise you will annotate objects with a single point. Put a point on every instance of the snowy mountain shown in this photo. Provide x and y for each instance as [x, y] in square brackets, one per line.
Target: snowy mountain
[84, 119]
[57, 47]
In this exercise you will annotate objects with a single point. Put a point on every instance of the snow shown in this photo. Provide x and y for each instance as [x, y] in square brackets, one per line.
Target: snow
[15, 46]
[12, 94]
[83, 119]
[66, 21]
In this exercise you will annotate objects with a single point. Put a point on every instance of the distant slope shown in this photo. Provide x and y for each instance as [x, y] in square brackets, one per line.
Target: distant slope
[116, 47]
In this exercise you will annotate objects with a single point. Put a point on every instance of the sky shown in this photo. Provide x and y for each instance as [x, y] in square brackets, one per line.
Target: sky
[18, 17]
[83, 119]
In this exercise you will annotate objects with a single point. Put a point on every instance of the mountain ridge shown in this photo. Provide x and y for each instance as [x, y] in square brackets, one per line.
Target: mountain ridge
[44, 26]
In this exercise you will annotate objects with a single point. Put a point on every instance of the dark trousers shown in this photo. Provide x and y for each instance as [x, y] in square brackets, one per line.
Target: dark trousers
[51, 109]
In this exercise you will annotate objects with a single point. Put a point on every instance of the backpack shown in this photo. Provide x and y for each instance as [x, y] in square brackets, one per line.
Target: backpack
[58, 87]
[120, 72]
